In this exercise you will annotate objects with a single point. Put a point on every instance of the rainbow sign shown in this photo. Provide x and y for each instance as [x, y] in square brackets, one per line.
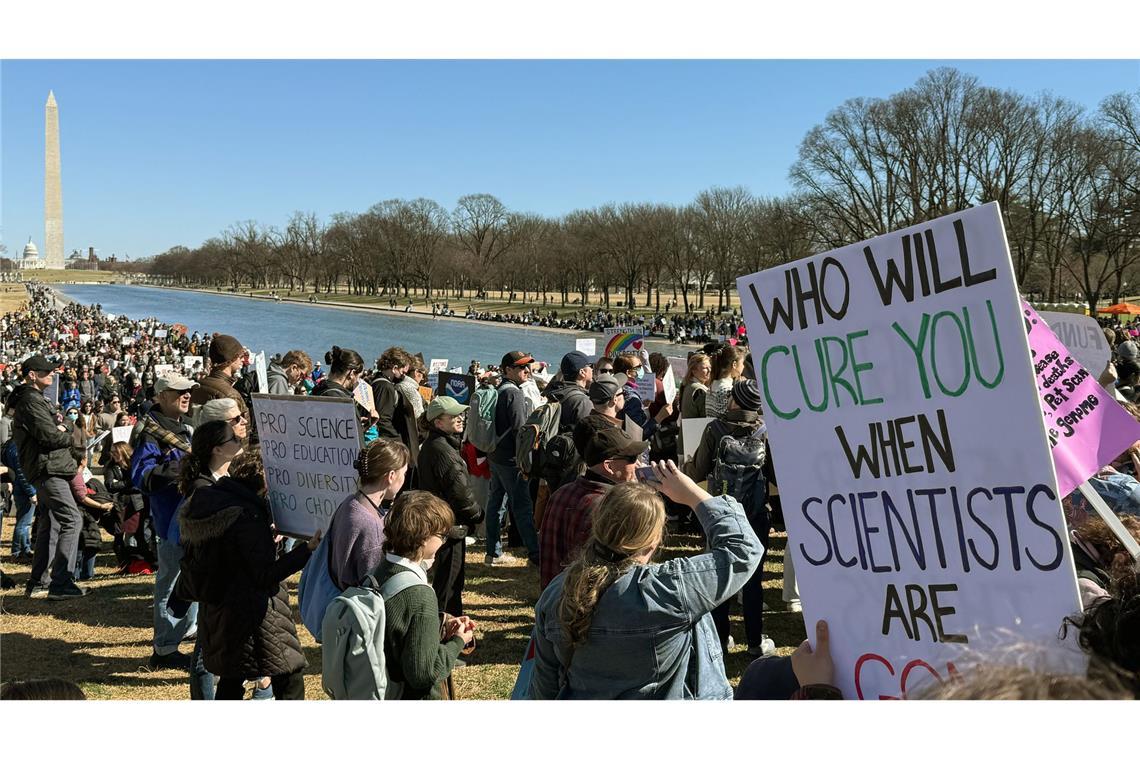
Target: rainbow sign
[619, 339]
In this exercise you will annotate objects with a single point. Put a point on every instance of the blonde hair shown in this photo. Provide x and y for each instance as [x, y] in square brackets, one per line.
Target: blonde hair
[697, 359]
[627, 521]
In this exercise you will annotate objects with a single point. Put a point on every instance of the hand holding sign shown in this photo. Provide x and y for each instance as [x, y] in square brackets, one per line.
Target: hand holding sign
[814, 666]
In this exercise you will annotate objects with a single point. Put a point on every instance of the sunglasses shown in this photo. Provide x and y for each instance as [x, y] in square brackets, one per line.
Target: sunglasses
[238, 418]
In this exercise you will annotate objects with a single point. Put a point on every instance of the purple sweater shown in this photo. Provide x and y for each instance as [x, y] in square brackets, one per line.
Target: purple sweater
[357, 536]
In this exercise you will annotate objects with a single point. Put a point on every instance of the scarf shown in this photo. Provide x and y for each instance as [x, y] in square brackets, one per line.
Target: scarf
[152, 428]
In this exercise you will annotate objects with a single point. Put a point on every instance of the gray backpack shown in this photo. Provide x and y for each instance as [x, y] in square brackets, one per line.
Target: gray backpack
[352, 640]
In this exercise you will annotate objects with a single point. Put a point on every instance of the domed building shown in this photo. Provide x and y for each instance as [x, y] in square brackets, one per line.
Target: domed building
[31, 258]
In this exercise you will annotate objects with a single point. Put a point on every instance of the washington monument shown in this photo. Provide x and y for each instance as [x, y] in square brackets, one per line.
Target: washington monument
[53, 190]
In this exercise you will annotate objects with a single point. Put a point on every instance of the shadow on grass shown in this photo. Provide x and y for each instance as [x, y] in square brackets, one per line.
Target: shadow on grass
[39, 657]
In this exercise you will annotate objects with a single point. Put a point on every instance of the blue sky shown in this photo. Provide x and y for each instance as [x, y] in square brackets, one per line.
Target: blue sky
[162, 153]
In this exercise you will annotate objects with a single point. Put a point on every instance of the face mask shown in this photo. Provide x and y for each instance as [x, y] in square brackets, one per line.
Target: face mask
[640, 372]
[425, 564]
[73, 415]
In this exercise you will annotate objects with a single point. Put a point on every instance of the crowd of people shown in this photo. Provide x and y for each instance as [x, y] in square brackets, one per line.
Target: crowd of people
[581, 469]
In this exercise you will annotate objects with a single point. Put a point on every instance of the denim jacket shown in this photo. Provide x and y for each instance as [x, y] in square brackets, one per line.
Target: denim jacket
[652, 636]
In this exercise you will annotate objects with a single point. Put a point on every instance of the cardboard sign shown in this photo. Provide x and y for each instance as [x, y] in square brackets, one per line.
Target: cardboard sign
[917, 481]
[127, 340]
[192, 363]
[620, 339]
[1082, 336]
[104, 336]
[160, 333]
[679, 366]
[459, 387]
[588, 346]
[692, 430]
[163, 369]
[437, 366]
[362, 393]
[84, 339]
[308, 444]
[647, 386]
[260, 367]
[1086, 426]
[121, 434]
[51, 393]
[633, 429]
[669, 386]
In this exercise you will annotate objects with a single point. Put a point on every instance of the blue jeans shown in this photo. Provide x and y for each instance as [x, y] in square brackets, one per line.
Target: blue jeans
[507, 481]
[22, 533]
[201, 680]
[169, 630]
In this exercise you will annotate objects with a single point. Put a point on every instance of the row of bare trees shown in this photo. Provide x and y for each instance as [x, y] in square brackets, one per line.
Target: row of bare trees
[1068, 183]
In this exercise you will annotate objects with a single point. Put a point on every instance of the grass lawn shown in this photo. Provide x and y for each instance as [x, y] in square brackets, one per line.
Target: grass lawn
[12, 297]
[102, 641]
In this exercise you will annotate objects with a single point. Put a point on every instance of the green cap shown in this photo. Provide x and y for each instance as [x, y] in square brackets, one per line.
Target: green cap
[444, 405]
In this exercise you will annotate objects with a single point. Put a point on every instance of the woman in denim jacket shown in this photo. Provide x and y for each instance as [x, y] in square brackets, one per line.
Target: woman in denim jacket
[614, 626]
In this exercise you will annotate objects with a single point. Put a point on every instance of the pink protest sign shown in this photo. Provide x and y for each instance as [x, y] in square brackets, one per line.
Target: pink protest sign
[1087, 428]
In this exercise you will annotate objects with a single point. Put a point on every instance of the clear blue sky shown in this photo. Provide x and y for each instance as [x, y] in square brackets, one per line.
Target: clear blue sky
[163, 153]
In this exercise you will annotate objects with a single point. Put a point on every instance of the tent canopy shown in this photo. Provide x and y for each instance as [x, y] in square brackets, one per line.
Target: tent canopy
[1120, 308]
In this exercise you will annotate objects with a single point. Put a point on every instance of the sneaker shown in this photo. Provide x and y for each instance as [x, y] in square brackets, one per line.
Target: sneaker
[36, 592]
[500, 560]
[469, 540]
[731, 643]
[174, 660]
[767, 647]
[68, 592]
[795, 606]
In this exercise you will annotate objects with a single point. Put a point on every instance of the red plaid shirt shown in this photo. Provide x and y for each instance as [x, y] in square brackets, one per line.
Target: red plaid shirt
[566, 523]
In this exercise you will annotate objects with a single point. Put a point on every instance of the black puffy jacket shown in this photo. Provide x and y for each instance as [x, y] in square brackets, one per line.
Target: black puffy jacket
[443, 472]
[233, 571]
[44, 448]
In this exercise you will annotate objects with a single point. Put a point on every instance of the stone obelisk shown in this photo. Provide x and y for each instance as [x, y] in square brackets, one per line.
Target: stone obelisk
[53, 189]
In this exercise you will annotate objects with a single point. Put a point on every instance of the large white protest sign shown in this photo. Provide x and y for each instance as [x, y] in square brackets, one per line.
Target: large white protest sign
[680, 367]
[84, 339]
[1082, 336]
[915, 474]
[121, 434]
[160, 333]
[692, 429]
[163, 369]
[308, 444]
[669, 385]
[260, 368]
[588, 346]
[192, 363]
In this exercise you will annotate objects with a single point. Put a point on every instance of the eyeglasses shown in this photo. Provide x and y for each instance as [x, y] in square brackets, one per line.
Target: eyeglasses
[179, 394]
[237, 419]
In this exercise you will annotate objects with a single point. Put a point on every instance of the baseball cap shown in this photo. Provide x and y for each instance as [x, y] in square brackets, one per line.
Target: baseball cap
[517, 359]
[604, 388]
[444, 405]
[610, 443]
[173, 382]
[572, 364]
[38, 363]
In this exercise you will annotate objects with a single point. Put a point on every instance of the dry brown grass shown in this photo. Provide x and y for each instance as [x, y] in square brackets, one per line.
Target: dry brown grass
[12, 297]
[102, 641]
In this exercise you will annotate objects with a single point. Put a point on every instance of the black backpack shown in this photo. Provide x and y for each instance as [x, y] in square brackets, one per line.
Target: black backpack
[129, 523]
[738, 470]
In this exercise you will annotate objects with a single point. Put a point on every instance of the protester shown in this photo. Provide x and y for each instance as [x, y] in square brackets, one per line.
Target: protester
[420, 652]
[226, 358]
[607, 397]
[443, 473]
[213, 448]
[91, 511]
[23, 494]
[631, 366]
[283, 377]
[731, 456]
[45, 457]
[356, 533]
[727, 367]
[155, 467]
[611, 457]
[506, 480]
[238, 578]
[612, 601]
[345, 369]
[396, 415]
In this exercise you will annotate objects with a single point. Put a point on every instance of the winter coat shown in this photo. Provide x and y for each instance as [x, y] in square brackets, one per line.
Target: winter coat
[443, 473]
[44, 448]
[217, 385]
[232, 569]
[573, 402]
[277, 381]
[397, 417]
[155, 467]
